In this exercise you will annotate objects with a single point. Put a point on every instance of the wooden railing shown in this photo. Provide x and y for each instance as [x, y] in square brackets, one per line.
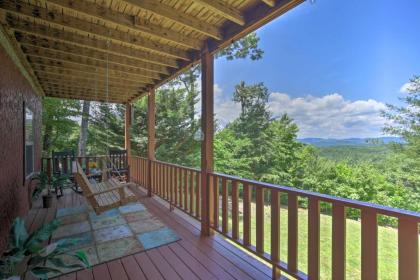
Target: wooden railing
[178, 185]
[229, 189]
[49, 164]
[237, 204]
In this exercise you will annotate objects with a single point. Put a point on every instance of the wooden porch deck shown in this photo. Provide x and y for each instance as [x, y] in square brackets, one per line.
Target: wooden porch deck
[193, 257]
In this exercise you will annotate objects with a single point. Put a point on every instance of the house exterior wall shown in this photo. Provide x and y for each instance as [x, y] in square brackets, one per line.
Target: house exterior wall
[15, 91]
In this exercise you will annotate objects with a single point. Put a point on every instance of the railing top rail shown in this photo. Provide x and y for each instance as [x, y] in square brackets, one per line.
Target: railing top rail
[178, 166]
[87, 156]
[380, 209]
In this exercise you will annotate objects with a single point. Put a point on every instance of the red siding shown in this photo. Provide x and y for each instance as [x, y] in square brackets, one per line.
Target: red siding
[14, 92]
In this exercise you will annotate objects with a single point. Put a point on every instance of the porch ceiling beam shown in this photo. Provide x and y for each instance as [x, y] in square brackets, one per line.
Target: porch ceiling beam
[223, 10]
[71, 75]
[81, 96]
[83, 61]
[256, 17]
[39, 45]
[87, 91]
[131, 22]
[62, 36]
[110, 92]
[86, 27]
[11, 46]
[89, 69]
[160, 9]
[68, 38]
[94, 86]
[270, 3]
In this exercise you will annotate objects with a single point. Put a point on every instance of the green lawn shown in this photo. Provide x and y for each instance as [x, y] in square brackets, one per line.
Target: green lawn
[387, 255]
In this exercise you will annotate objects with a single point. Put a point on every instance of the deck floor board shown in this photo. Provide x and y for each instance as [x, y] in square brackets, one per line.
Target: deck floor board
[192, 257]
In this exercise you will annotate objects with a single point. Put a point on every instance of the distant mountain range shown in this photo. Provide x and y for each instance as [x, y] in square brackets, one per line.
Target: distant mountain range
[329, 142]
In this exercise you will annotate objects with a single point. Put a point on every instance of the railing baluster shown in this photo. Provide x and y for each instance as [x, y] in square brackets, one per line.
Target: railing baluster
[275, 232]
[292, 234]
[181, 187]
[235, 216]
[313, 238]
[247, 214]
[161, 171]
[191, 177]
[174, 170]
[408, 249]
[167, 182]
[216, 201]
[260, 219]
[338, 241]
[139, 173]
[176, 183]
[185, 189]
[225, 219]
[198, 194]
[369, 245]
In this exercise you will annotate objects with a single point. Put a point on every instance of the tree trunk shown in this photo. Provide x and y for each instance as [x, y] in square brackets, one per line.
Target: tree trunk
[47, 138]
[81, 151]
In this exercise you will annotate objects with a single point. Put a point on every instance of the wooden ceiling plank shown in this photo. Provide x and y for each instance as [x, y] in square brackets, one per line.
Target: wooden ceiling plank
[77, 24]
[11, 47]
[48, 54]
[270, 3]
[255, 18]
[88, 69]
[84, 97]
[75, 76]
[110, 92]
[77, 83]
[66, 37]
[170, 13]
[223, 10]
[93, 54]
[132, 22]
[58, 70]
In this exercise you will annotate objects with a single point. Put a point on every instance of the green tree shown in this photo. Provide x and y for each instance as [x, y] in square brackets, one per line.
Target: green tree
[176, 117]
[404, 167]
[59, 123]
[107, 128]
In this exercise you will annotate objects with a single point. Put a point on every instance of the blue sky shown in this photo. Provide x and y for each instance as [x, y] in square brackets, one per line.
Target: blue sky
[339, 60]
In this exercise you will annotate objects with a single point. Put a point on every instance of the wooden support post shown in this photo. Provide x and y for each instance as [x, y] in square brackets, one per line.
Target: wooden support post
[151, 123]
[207, 126]
[127, 129]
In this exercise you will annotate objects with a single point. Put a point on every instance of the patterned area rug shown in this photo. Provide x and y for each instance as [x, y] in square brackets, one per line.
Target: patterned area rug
[113, 234]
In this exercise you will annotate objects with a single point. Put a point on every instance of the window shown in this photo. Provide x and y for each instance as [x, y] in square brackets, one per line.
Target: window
[29, 142]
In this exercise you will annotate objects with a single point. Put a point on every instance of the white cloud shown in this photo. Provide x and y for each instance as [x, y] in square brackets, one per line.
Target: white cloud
[329, 116]
[225, 109]
[405, 88]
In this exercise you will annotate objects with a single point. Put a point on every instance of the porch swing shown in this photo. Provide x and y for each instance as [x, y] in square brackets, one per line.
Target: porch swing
[110, 192]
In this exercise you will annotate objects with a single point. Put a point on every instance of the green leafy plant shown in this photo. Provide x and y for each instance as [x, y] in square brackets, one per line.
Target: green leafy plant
[41, 179]
[41, 183]
[26, 252]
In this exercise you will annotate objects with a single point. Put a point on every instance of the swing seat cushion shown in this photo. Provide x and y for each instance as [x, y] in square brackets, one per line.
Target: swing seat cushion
[106, 194]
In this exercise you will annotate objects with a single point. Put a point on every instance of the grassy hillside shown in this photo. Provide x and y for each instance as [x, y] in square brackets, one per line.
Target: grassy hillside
[387, 255]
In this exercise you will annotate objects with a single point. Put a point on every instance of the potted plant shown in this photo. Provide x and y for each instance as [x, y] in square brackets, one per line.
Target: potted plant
[27, 253]
[42, 183]
[58, 182]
